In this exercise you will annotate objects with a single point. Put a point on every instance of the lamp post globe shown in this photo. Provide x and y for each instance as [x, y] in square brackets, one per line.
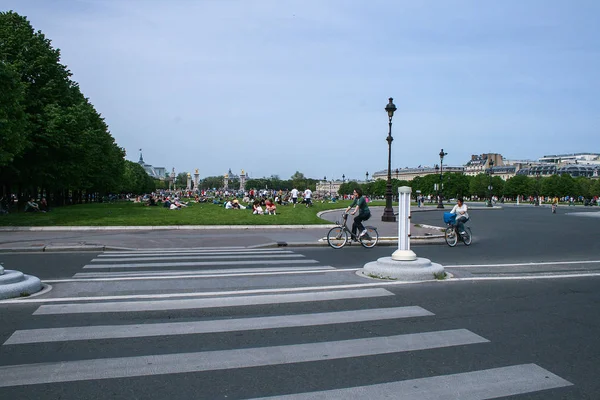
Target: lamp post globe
[388, 212]
[490, 186]
[440, 187]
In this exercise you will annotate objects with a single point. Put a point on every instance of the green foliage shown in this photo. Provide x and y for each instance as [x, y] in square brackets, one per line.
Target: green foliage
[53, 140]
[12, 114]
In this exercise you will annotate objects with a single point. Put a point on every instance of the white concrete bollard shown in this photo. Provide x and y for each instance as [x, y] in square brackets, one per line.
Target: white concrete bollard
[404, 253]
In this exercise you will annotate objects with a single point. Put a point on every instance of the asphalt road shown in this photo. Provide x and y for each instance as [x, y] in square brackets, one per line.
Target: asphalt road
[243, 324]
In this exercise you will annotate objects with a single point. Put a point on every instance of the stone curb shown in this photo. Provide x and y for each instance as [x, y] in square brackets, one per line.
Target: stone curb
[155, 228]
[383, 241]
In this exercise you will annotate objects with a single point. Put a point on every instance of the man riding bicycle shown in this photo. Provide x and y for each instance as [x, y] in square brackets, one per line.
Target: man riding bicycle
[462, 216]
[363, 213]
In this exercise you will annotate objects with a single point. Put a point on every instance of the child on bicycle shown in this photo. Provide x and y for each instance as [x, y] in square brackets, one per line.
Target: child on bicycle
[363, 212]
[462, 216]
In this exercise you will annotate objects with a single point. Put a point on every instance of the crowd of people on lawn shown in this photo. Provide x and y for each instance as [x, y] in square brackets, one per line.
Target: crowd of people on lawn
[261, 202]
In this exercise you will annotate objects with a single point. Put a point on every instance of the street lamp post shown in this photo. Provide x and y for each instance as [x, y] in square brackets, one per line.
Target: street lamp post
[440, 188]
[343, 178]
[388, 212]
[324, 182]
[367, 176]
[490, 187]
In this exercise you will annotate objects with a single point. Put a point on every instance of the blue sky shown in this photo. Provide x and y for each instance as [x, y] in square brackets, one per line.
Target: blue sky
[278, 86]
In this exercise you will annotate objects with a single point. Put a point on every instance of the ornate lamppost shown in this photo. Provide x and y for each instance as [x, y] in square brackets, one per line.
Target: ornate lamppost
[490, 186]
[367, 176]
[440, 188]
[343, 178]
[388, 211]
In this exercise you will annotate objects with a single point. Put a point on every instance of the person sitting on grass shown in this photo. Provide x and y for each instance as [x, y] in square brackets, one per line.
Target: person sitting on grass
[271, 208]
[31, 206]
[256, 208]
[43, 206]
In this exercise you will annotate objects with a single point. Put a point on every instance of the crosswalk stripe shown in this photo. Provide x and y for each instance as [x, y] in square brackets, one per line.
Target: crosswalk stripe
[198, 263]
[146, 277]
[216, 250]
[213, 326]
[198, 272]
[218, 256]
[69, 371]
[181, 304]
[478, 385]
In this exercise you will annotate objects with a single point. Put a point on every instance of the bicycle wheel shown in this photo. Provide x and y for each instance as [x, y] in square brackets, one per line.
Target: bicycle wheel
[451, 236]
[370, 239]
[467, 237]
[337, 237]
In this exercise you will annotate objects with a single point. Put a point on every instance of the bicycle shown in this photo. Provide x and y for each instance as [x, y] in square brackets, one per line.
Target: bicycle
[337, 237]
[452, 235]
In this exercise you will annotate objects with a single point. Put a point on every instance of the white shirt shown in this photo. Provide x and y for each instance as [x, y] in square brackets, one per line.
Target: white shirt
[294, 193]
[307, 193]
[460, 211]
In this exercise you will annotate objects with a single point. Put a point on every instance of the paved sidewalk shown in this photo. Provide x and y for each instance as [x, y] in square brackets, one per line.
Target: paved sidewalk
[173, 237]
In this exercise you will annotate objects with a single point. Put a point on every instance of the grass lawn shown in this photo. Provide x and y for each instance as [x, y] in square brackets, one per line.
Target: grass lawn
[135, 214]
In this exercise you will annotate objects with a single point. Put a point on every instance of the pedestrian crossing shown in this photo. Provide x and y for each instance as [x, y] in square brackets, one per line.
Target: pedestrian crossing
[318, 337]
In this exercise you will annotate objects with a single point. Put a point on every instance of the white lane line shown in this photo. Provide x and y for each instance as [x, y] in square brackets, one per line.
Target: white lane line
[194, 272]
[530, 264]
[181, 304]
[230, 325]
[108, 368]
[200, 257]
[478, 385]
[200, 276]
[525, 277]
[198, 263]
[284, 290]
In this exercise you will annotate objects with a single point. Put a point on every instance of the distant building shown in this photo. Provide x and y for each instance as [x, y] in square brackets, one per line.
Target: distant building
[408, 174]
[479, 164]
[583, 158]
[154, 172]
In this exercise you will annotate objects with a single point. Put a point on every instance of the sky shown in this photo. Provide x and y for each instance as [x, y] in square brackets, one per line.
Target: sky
[278, 86]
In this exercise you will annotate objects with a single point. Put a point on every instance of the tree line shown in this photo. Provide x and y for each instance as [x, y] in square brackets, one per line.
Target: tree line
[455, 185]
[53, 143]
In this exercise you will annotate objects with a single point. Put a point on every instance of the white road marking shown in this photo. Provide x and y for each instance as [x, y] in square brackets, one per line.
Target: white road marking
[197, 263]
[200, 257]
[529, 264]
[198, 275]
[193, 303]
[192, 272]
[108, 368]
[478, 385]
[212, 326]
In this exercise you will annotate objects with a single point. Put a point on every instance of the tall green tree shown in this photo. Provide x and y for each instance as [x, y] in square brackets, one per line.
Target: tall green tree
[12, 114]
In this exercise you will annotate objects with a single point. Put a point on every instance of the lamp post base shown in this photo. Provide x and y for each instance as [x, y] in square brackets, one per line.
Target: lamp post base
[440, 205]
[388, 215]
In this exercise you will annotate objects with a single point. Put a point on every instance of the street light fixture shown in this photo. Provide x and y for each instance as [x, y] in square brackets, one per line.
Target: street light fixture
[388, 212]
[367, 175]
[490, 187]
[440, 188]
[343, 178]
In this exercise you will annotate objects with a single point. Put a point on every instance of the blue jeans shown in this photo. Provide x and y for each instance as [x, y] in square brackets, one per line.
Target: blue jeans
[460, 223]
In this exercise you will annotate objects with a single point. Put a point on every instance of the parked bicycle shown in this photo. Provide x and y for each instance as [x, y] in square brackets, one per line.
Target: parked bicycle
[338, 236]
[452, 235]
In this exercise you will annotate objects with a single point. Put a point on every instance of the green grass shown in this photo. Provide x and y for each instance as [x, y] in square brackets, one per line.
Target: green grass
[135, 214]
